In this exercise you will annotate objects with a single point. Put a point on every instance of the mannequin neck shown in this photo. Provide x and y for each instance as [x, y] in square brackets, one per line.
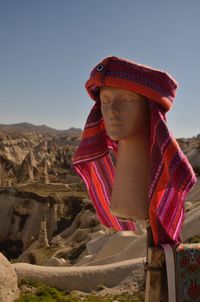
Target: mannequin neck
[132, 177]
[134, 145]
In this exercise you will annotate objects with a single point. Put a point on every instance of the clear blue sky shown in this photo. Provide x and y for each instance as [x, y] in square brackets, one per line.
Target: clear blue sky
[48, 47]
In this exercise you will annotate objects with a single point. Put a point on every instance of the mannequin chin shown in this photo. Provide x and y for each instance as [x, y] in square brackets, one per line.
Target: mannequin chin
[126, 116]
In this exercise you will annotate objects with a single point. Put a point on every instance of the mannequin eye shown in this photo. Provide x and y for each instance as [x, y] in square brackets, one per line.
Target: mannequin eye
[128, 99]
[105, 100]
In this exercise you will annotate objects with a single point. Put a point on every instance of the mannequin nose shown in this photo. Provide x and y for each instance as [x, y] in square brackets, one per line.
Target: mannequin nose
[113, 109]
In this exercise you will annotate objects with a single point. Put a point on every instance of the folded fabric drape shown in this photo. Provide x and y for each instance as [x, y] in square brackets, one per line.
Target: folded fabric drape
[172, 176]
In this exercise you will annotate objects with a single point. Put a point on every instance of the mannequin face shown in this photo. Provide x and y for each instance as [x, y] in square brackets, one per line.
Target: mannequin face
[125, 113]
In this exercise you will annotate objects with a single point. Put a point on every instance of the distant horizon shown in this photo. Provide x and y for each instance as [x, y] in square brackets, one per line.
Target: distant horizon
[38, 125]
[193, 136]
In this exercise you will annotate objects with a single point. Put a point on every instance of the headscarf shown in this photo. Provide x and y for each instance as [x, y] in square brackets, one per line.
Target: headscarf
[171, 176]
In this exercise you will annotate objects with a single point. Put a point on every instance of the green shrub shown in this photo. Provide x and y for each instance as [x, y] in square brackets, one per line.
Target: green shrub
[46, 293]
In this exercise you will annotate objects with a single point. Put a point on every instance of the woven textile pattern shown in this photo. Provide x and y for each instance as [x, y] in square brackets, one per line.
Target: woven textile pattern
[187, 267]
[172, 176]
[171, 179]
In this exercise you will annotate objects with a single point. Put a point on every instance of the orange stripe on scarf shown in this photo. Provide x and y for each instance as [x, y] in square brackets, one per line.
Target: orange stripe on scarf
[104, 204]
[161, 185]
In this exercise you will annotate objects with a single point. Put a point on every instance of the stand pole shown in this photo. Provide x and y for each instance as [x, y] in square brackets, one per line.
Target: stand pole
[154, 270]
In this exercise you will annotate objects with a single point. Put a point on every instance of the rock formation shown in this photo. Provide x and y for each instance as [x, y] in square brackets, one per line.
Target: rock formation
[8, 281]
[42, 238]
[45, 154]
[2, 173]
[21, 217]
[44, 207]
[31, 156]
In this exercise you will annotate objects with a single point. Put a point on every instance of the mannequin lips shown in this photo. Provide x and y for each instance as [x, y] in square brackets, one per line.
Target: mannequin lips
[113, 125]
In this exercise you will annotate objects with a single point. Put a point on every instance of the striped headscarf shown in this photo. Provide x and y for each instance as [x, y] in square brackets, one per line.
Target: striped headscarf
[172, 176]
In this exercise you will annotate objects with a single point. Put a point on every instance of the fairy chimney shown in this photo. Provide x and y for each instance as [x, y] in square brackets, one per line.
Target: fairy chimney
[42, 238]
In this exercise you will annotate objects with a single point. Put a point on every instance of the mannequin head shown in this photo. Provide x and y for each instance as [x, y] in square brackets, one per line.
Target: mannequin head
[125, 113]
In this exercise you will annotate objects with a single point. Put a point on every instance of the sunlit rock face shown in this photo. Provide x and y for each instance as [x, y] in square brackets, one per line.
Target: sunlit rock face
[9, 290]
[31, 153]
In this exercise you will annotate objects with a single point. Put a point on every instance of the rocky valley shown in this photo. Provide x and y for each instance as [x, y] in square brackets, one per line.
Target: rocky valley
[46, 216]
